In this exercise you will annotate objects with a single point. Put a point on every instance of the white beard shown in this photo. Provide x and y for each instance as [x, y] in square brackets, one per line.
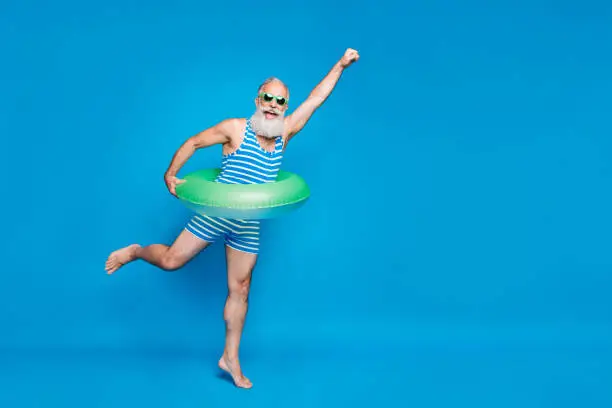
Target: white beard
[269, 128]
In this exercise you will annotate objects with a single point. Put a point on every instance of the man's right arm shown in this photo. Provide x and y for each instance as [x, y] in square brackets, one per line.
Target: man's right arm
[221, 133]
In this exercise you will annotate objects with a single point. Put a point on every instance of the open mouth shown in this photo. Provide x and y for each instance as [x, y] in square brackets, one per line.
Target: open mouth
[270, 115]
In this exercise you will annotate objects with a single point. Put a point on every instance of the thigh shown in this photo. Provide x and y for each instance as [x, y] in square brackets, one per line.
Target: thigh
[186, 246]
[244, 236]
[206, 228]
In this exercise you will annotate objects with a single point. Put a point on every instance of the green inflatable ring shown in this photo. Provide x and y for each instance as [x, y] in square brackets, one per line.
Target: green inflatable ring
[202, 194]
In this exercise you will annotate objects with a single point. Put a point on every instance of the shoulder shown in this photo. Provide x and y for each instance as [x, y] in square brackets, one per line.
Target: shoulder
[233, 128]
[232, 124]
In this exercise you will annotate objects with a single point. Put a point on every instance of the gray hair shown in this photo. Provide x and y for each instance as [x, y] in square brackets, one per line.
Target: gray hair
[269, 80]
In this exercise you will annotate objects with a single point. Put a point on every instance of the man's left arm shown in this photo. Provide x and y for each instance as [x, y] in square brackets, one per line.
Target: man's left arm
[298, 119]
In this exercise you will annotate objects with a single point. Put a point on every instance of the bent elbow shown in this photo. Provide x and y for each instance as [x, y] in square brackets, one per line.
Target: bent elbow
[192, 144]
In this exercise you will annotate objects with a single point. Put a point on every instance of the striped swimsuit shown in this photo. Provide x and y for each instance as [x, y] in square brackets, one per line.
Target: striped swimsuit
[250, 164]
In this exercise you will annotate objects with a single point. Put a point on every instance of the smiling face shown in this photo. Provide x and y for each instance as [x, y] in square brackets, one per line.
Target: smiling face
[271, 104]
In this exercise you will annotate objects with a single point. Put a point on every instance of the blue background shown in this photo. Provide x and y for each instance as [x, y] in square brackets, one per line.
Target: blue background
[455, 250]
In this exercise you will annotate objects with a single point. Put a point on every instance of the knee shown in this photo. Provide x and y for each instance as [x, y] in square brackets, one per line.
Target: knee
[239, 288]
[171, 262]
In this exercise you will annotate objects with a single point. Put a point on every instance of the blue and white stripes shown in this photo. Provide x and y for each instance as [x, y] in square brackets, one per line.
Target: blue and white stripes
[249, 164]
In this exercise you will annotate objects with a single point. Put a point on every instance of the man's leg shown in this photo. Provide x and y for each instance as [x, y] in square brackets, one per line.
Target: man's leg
[240, 267]
[169, 258]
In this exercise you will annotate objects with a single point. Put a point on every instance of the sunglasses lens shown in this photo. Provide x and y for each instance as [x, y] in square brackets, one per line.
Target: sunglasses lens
[269, 97]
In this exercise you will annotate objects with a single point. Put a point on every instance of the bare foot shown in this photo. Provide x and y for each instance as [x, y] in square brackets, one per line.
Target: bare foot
[233, 368]
[121, 257]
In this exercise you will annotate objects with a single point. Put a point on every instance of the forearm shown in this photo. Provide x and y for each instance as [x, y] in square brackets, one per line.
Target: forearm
[180, 158]
[218, 134]
[297, 120]
[322, 91]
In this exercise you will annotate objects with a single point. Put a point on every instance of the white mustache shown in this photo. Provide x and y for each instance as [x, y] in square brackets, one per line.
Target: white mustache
[272, 110]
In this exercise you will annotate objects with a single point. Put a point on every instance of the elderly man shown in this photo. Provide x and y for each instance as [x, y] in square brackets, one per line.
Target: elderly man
[252, 153]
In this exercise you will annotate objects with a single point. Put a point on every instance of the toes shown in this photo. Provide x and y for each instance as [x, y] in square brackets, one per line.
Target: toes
[243, 384]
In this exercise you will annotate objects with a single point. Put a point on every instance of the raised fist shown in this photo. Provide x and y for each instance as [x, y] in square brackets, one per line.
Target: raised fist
[350, 56]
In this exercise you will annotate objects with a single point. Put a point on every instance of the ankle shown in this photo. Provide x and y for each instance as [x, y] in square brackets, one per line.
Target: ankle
[230, 356]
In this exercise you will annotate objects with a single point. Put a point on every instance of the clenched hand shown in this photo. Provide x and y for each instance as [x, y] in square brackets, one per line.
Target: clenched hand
[350, 56]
